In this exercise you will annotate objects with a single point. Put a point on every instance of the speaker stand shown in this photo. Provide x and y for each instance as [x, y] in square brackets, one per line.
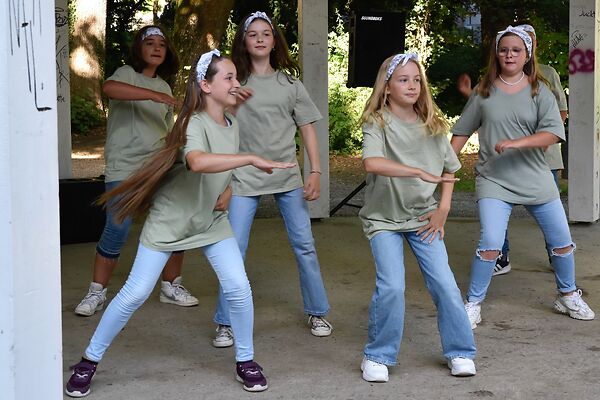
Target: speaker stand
[347, 199]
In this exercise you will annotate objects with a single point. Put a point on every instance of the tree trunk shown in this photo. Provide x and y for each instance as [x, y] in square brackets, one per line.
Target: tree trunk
[88, 49]
[199, 27]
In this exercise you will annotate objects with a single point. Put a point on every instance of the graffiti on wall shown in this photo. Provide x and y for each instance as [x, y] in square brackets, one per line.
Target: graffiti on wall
[25, 31]
[61, 19]
[581, 60]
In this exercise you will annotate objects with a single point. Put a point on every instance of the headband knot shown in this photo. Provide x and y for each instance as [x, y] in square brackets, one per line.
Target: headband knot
[400, 59]
[154, 31]
[255, 15]
[520, 33]
[204, 62]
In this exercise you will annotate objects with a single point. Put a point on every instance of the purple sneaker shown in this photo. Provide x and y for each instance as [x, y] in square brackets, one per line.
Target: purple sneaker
[250, 374]
[79, 383]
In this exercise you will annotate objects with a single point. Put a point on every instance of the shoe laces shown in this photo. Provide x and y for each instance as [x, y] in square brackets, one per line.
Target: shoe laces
[82, 370]
[92, 296]
[180, 290]
[578, 301]
[224, 332]
[318, 322]
[251, 370]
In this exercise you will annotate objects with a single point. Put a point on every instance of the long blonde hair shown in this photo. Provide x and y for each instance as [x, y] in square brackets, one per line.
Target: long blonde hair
[493, 71]
[425, 107]
[134, 195]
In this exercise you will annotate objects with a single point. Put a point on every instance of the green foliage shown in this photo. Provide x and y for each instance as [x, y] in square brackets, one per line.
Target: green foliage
[345, 104]
[85, 115]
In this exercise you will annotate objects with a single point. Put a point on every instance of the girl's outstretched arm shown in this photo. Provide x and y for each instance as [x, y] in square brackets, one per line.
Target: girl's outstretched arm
[437, 218]
[312, 184]
[124, 91]
[383, 166]
[199, 161]
[540, 139]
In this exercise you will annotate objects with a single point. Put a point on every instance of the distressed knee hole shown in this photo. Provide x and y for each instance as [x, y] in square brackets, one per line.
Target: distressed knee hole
[563, 251]
[487, 255]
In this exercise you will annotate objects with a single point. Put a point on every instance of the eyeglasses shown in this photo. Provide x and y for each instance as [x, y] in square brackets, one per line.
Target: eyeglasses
[515, 51]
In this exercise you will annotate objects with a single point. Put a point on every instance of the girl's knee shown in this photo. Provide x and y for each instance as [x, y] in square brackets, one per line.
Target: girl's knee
[563, 251]
[487, 255]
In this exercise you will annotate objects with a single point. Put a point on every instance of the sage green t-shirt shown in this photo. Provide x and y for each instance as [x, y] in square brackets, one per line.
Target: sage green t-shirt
[395, 204]
[182, 214]
[135, 129]
[518, 176]
[268, 123]
[553, 154]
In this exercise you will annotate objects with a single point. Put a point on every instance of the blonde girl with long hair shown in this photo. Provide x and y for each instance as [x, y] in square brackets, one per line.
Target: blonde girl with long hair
[406, 155]
[517, 118]
[185, 188]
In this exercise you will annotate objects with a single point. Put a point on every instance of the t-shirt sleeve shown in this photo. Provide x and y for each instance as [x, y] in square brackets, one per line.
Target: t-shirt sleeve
[451, 162]
[305, 110]
[373, 143]
[557, 90]
[124, 74]
[470, 118]
[548, 115]
[196, 138]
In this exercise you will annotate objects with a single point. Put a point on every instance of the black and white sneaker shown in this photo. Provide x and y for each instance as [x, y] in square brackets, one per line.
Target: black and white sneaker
[502, 265]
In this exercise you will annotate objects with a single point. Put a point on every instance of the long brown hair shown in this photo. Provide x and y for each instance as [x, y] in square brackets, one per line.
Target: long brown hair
[134, 195]
[279, 58]
[425, 107]
[493, 71]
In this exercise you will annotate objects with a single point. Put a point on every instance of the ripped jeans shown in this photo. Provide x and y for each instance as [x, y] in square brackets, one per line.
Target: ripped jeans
[550, 217]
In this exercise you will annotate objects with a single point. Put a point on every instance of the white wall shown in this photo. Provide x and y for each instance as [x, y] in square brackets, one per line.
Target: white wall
[584, 111]
[312, 32]
[30, 306]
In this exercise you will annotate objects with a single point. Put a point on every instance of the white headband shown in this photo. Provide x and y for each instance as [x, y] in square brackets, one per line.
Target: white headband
[520, 33]
[255, 15]
[152, 32]
[527, 28]
[401, 59]
[204, 62]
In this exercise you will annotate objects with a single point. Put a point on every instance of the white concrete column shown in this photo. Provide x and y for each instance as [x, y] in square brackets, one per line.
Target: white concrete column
[30, 292]
[584, 111]
[63, 95]
[312, 36]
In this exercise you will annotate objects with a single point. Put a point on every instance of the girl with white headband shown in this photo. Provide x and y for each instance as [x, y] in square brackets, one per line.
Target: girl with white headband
[184, 188]
[277, 106]
[406, 155]
[140, 115]
[517, 117]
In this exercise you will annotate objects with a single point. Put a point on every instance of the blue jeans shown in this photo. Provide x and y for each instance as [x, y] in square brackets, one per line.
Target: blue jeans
[226, 260]
[114, 234]
[386, 312]
[294, 210]
[551, 218]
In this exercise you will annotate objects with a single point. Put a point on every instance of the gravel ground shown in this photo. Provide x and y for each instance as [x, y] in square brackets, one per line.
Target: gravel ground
[345, 175]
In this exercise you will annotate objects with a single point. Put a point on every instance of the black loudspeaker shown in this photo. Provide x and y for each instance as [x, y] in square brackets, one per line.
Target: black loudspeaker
[80, 220]
[374, 36]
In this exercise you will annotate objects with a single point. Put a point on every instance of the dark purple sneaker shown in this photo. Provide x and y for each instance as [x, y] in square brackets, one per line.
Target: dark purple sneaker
[79, 383]
[250, 374]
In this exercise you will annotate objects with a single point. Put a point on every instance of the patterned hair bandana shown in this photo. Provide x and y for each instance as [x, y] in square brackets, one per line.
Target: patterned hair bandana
[520, 33]
[255, 15]
[527, 28]
[154, 31]
[204, 62]
[400, 59]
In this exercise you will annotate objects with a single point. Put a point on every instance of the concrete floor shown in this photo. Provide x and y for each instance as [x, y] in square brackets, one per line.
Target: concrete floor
[526, 351]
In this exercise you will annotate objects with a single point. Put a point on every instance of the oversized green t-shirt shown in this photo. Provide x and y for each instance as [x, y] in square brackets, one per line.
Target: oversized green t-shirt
[395, 204]
[135, 129]
[182, 214]
[552, 154]
[518, 176]
[268, 123]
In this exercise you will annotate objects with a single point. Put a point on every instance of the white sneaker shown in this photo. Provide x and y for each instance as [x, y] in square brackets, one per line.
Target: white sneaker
[93, 300]
[224, 336]
[319, 326]
[175, 293]
[574, 306]
[474, 313]
[461, 366]
[373, 371]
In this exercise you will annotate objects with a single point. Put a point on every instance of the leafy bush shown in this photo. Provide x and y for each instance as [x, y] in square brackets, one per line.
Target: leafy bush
[85, 115]
[345, 104]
